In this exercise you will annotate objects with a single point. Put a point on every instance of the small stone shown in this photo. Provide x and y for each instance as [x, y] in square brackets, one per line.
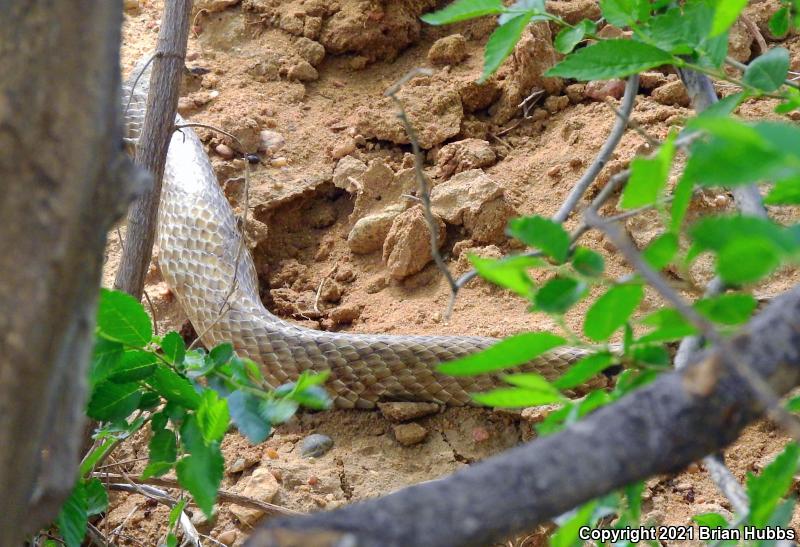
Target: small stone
[403, 412]
[556, 103]
[237, 467]
[576, 92]
[270, 141]
[599, 90]
[228, 537]
[409, 434]
[315, 445]
[693, 468]
[313, 480]
[345, 314]
[311, 51]
[683, 486]
[464, 155]
[261, 486]
[271, 453]
[331, 292]
[672, 94]
[343, 148]
[279, 162]
[345, 275]
[407, 250]
[480, 434]
[303, 72]
[224, 151]
[131, 6]
[554, 172]
[537, 414]
[369, 233]
[449, 50]
[376, 284]
[651, 80]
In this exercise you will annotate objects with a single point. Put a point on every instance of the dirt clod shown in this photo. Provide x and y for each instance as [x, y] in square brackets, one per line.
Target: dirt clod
[463, 155]
[407, 250]
[405, 411]
[315, 445]
[261, 486]
[409, 434]
[449, 50]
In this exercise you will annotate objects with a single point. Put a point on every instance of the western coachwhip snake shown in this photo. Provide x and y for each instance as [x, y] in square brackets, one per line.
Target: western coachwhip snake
[199, 241]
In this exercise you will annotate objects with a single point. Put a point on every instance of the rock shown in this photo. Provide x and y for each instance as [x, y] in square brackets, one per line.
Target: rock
[478, 95]
[556, 103]
[474, 200]
[463, 155]
[347, 173]
[228, 537]
[369, 233]
[740, 42]
[403, 412]
[409, 434]
[406, 250]
[576, 92]
[376, 284]
[433, 108]
[600, 90]
[651, 80]
[311, 51]
[270, 141]
[303, 71]
[331, 292]
[131, 6]
[343, 148]
[292, 23]
[312, 27]
[240, 464]
[262, 486]
[449, 50]
[673, 93]
[345, 314]
[537, 414]
[315, 445]
[224, 151]
[213, 5]
[200, 520]
[345, 275]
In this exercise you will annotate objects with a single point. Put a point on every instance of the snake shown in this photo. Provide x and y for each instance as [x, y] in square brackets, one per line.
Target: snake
[202, 257]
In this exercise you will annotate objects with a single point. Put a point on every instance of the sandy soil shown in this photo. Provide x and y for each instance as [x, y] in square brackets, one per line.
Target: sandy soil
[313, 73]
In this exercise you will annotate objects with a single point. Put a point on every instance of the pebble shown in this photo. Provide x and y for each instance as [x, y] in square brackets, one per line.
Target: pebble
[480, 434]
[279, 162]
[262, 486]
[315, 445]
[271, 453]
[537, 414]
[228, 537]
[344, 148]
[270, 141]
[409, 434]
[224, 151]
[345, 314]
[599, 90]
[403, 412]
[303, 72]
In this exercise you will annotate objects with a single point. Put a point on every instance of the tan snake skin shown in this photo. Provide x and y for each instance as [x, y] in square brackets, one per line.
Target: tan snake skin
[198, 241]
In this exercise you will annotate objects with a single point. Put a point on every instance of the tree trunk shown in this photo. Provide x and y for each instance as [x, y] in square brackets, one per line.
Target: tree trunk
[63, 173]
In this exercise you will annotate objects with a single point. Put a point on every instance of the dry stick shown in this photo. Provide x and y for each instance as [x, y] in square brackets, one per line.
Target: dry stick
[223, 495]
[151, 153]
[422, 179]
[754, 30]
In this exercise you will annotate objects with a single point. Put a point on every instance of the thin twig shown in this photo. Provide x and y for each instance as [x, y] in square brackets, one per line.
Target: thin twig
[754, 30]
[422, 179]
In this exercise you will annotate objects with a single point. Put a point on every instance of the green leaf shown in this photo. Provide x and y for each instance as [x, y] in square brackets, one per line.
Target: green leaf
[174, 348]
[531, 381]
[611, 311]
[149, 400]
[725, 14]
[793, 404]
[660, 252]
[163, 446]
[587, 262]
[651, 355]
[767, 489]
[669, 325]
[314, 397]
[567, 533]
[727, 309]
[112, 402]
[623, 13]
[768, 71]
[461, 10]
[711, 520]
[509, 273]
[105, 358]
[245, 413]
[213, 417]
[510, 352]
[501, 43]
[174, 388]
[543, 233]
[681, 198]
[785, 192]
[779, 22]
[201, 474]
[717, 232]
[747, 260]
[96, 497]
[134, 366]
[95, 456]
[512, 397]
[585, 369]
[222, 354]
[569, 37]
[559, 294]
[648, 177]
[122, 319]
[277, 411]
[72, 518]
[610, 59]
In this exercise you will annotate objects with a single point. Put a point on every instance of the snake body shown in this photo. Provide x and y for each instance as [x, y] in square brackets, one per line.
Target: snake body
[199, 241]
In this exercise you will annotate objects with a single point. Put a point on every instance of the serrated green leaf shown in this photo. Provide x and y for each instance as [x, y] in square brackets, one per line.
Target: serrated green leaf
[509, 273]
[222, 354]
[201, 474]
[532, 382]
[163, 446]
[569, 37]
[785, 192]
[96, 497]
[660, 252]
[134, 366]
[727, 309]
[501, 43]
[669, 325]
[72, 518]
[462, 10]
[559, 294]
[585, 369]
[651, 355]
[747, 260]
[510, 352]
[149, 400]
[95, 456]
[313, 397]
[610, 59]
[122, 319]
[174, 348]
[157, 469]
[717, 232]
[766, 490]
[779, 22]
[648, 177]
[105, 358]
[768, 71]
[245, 413]
[542, 233]
[278, 411]
[611, 311]
[681, 198]
[112, 402]
[725, 14]
[623, 13]
[512, 397]
[174, 388]
[588, 262]
[212, 416]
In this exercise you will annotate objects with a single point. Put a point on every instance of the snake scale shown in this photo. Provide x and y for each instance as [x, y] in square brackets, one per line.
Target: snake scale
[198, 241]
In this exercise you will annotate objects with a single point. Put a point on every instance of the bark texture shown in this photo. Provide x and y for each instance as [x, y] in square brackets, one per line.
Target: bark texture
[151, 152]
[62, 169]
[679, 418]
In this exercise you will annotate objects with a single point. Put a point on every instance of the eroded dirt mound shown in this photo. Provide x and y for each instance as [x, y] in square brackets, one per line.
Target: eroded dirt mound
[337, 233]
